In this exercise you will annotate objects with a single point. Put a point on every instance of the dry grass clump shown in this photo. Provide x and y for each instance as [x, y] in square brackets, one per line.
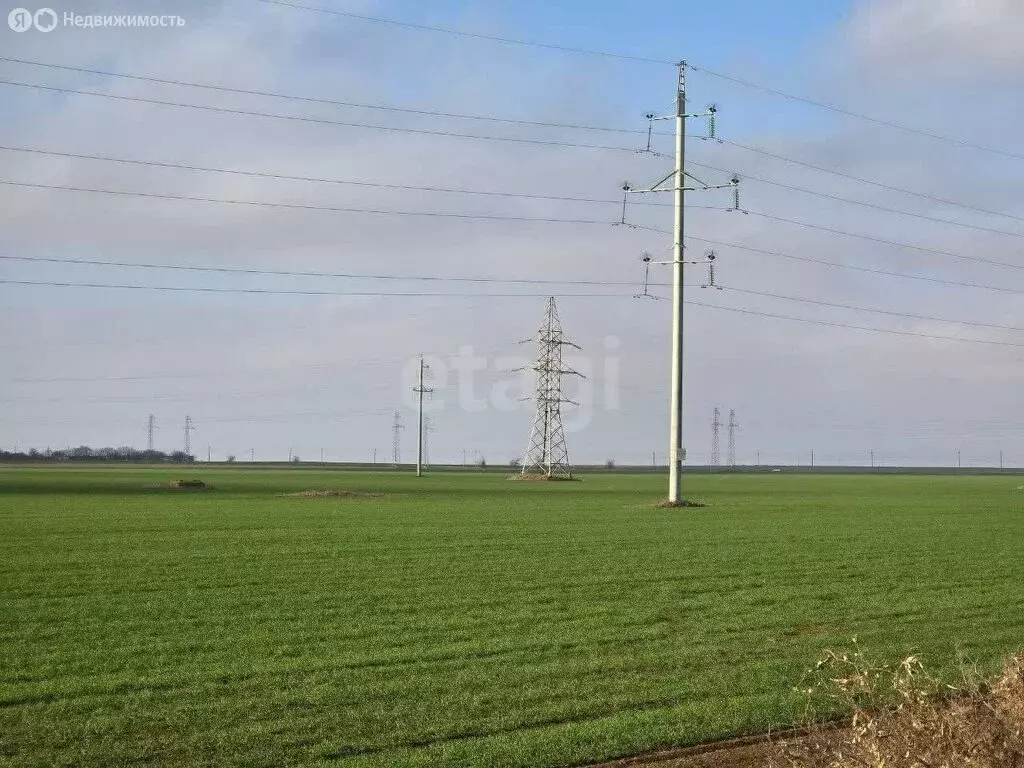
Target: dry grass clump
[906, 718]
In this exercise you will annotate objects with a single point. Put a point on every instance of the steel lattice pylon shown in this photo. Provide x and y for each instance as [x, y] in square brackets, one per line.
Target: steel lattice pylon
[716, 452]
[548, 455]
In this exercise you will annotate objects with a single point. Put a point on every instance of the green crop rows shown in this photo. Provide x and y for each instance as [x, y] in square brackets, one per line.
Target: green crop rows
[467, 619]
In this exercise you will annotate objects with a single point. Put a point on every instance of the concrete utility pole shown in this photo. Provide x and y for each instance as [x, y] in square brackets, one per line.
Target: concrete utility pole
[678, 179]
[150, 426]
[1000, 460]
[421, 390]
[958, 459]
[675, 451]
[252, 455]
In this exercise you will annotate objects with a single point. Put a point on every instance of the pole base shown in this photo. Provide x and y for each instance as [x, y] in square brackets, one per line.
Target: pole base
[685, 503]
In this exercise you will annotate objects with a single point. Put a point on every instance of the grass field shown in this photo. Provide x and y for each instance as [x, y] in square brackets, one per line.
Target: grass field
[467, 619]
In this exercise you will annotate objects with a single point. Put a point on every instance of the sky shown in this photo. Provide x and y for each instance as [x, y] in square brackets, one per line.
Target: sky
[933, 370]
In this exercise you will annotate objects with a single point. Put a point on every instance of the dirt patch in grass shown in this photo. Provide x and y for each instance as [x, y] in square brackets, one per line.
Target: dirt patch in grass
[181, 485]
[543, 479]
[685, 504]
[333, 493]
[745, 752]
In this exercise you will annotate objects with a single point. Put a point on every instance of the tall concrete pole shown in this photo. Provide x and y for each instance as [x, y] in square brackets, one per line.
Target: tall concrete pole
[675, 451]
[420, 390]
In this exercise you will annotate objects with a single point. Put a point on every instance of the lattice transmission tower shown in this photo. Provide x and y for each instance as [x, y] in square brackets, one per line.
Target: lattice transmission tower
[428, 427]
[733, 426]
[716, 447]
[396, 439]
[150, 427]
[548, 455]
[189, 429]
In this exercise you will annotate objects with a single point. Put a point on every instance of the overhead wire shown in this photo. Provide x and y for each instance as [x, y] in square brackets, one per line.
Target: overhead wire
[473, 35]
[286, 292]
[320, 180]
[834, 108]
[318, 100]
[852, 307]
[869, 182]
[297, 292]
[882, 240]
[315, 120]
[327, 208]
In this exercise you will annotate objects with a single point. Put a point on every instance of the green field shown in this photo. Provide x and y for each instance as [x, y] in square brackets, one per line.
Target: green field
[466, 619]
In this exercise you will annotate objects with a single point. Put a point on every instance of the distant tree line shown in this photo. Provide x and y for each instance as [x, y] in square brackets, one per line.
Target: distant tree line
[85, 453]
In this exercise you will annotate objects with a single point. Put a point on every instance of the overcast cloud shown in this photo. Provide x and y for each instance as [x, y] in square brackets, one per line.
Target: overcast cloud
[305, 373]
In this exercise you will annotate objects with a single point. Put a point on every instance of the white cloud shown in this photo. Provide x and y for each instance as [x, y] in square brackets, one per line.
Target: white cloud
[943, 35]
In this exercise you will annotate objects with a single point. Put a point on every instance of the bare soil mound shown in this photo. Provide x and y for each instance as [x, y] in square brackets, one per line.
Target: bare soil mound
[333, 493]
[181, 485]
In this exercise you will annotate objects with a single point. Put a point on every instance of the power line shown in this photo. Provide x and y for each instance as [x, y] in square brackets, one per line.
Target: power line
[287, 292]
[328, 102]
[315, 179]
[485, 280]
[882, 240]
[854, 308]
[450, 134]
[473, 35]
[477, 192]
[478, 295]
[318, 120]
[303, 207]
[874, 206]
[831, 324]
[649, 60]
[858, 115]
[870, 182]
[839, 265]
[309, 273]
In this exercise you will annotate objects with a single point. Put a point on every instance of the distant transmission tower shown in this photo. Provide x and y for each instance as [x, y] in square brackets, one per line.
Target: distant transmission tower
[733, 426]
[428, 427]
[396, 439]
[150, 426]
[716, 448]
[189, 429]
[548, 455]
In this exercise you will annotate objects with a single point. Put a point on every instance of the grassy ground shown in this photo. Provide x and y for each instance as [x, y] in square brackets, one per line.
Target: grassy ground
[467, 619]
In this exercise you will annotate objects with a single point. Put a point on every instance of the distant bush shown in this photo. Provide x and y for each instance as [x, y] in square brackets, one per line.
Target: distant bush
[85, 453]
